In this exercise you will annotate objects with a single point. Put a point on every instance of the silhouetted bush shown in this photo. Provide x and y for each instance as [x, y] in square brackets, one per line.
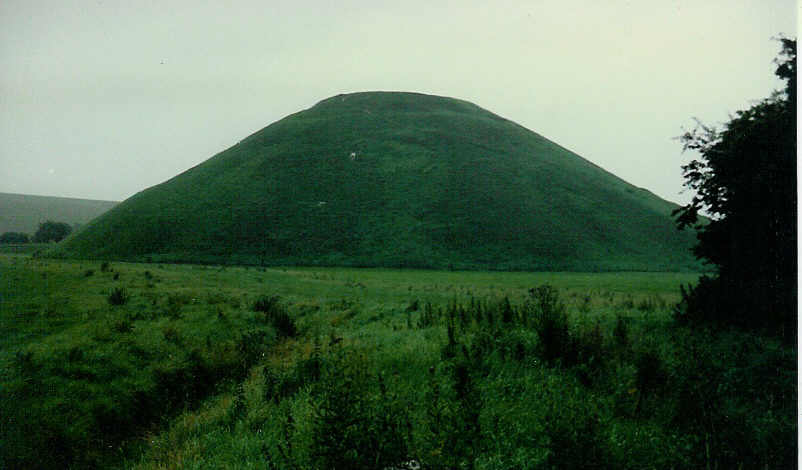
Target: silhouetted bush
[576, 439]
[15, 237]
[266, 303]
[250, 348]
[745, 181]
[586, 351]
[736, 396]
[276, 315]
[621, 332]
[123, 326]
[239, 407]
[118, 296]
[550, 321]
[51, 232]
[428, 316]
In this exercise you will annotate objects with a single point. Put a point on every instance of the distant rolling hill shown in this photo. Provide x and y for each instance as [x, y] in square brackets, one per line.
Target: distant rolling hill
[23, 212]
[394, 180]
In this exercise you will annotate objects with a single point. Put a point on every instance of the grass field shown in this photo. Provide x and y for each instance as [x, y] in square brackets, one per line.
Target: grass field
[186, 366]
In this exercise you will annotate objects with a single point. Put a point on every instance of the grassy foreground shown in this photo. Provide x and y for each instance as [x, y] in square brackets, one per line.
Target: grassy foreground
[166, 366]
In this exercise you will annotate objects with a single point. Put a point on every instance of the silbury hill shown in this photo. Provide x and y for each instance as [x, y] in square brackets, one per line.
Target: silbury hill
[388, 179]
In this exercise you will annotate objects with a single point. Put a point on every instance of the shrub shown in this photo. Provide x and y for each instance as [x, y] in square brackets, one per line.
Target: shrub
[576, 438]
[239, 407]
[276, 315]
[271, 384]
[175, 302]
[171, 335]
[355, 425]
[650, 375]
[75, 354]
[14, 237]
[266, 303]
[250, 348]
[621, 331]
[118, 296]
[646, 305]
[104, 266]
[738, 396]
[51, 232]
[586, 350]
[584, 307]
[550, 321]
[123, 326]
[507, 312]
[427, 317]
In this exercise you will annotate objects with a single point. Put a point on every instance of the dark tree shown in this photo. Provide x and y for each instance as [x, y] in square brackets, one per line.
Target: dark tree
[14, 237]
[745, 182]
[51, 232]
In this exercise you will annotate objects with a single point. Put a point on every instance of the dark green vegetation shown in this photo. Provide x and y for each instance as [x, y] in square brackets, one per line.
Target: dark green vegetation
[20, 248]
[15, 237]
[394, 180]
[23, 213]
[151, 366]
[50, 231]
[745, 178]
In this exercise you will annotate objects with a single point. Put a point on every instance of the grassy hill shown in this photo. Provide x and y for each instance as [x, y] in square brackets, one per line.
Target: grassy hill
[24, 212]
[395, 180]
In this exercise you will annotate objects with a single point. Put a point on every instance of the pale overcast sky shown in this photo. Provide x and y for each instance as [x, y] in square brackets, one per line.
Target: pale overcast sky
[102, 99]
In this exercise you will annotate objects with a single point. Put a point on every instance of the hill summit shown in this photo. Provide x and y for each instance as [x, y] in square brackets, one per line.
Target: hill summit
[393, 179]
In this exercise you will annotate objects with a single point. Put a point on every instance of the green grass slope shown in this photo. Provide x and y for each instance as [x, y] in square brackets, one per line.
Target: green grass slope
[24, 212]
[396, 180]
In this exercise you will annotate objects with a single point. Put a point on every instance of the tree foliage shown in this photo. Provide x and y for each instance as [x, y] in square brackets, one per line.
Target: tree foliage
[51, 232]
[745, 181]
[14, 237]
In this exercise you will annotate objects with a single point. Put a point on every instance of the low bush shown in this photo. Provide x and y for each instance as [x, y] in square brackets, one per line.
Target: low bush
[118, 296]
[357, 423]
[276, 315]
[621, 332]
[550, 322]
[15, 237]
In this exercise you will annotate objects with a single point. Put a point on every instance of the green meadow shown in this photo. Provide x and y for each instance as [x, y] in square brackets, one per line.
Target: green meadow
[154, 366]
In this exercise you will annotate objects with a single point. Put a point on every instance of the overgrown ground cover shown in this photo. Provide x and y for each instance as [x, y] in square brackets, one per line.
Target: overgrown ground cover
[179, 366]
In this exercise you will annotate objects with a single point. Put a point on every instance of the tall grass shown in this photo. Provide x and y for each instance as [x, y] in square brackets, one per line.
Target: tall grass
[383, 369]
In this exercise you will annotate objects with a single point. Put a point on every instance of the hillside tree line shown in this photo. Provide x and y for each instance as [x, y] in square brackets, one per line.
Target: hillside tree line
[47, 232]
